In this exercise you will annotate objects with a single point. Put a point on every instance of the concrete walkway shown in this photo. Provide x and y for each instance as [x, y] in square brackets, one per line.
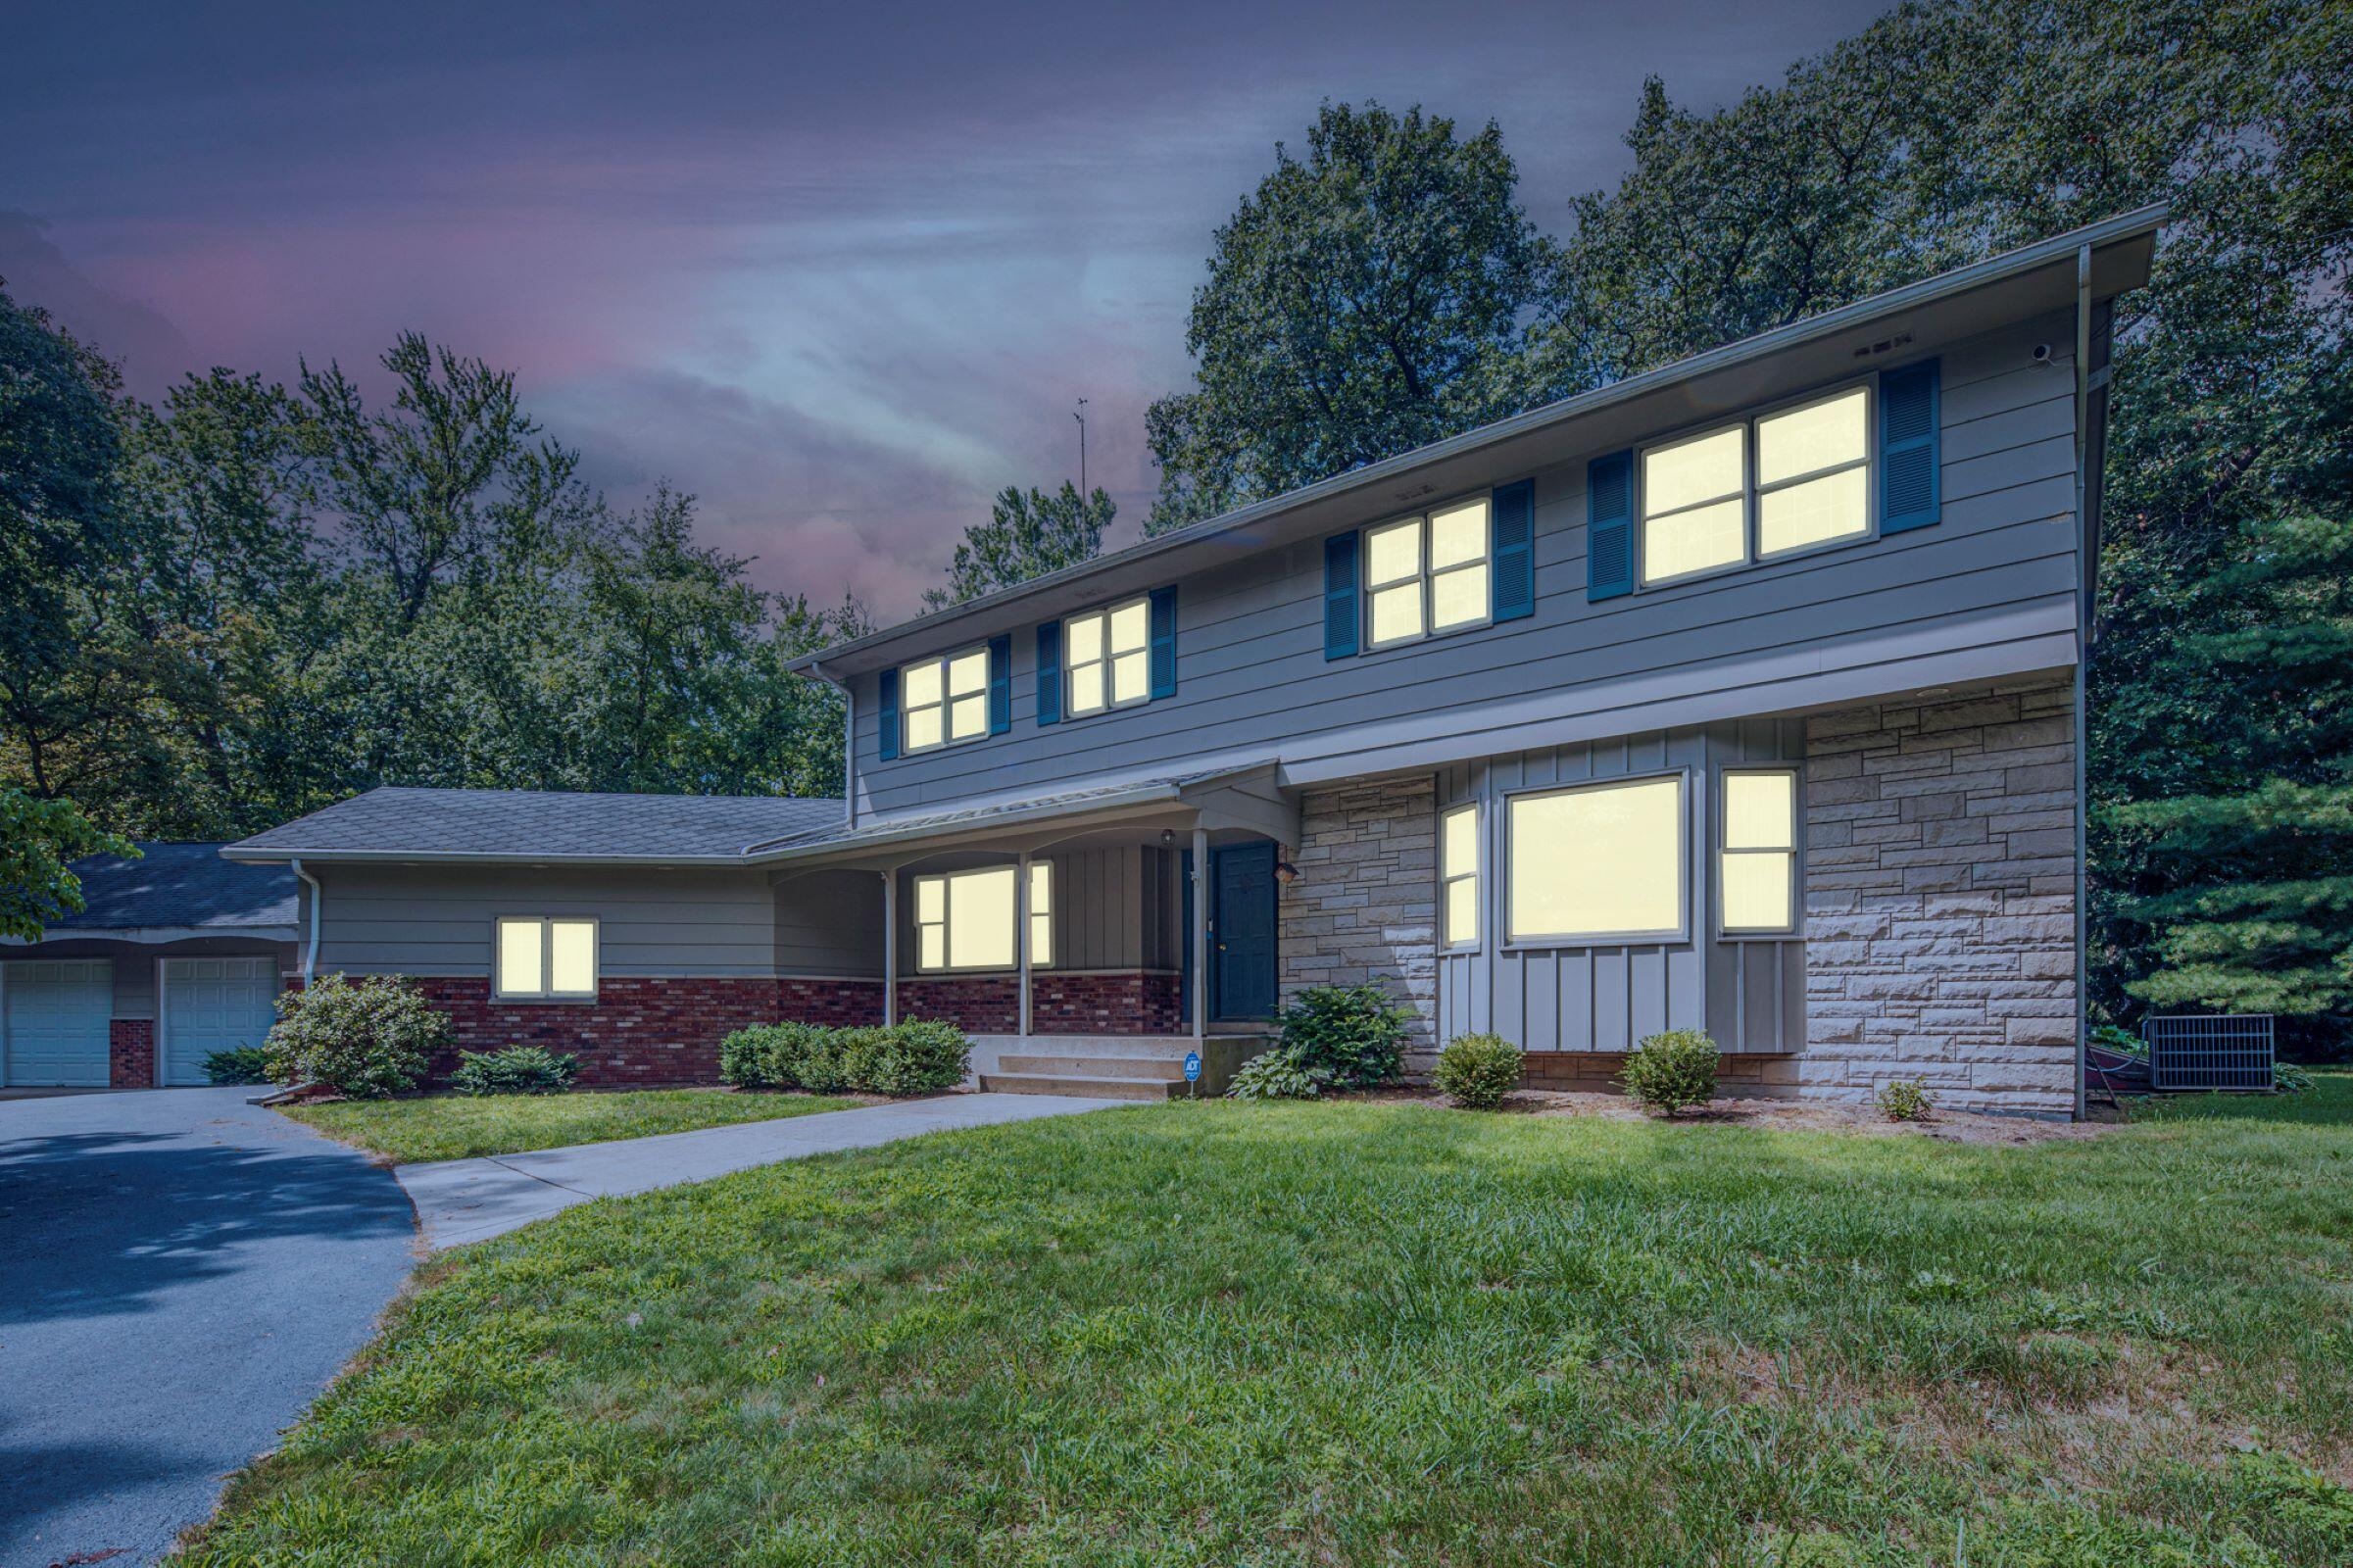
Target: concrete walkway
[461, 1200]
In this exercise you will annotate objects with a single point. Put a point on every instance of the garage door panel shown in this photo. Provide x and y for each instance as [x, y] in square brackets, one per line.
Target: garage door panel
[55, 1014]
[214, 1003]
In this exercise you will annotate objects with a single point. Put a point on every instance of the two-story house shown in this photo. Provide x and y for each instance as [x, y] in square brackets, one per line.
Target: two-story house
[1740, 695]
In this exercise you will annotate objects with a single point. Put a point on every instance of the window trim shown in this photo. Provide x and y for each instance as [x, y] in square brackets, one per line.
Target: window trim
[914, 908]
[1507, 942]
[1070, 714]
[1448, 876]
[1366, 644]
[1794, 931]
[907, 710]
[1752, 553]
[547, 959]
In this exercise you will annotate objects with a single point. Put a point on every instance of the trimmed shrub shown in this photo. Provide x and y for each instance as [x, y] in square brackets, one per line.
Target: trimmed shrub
[1904, 1100]
[922, 1057]
[1478, 1070]
[815, 1057]
[366, 1039]
[515, 1070]
[1276, 1074]
[1672, 1070]
[748, 1057]
[1346, 1037]
[241, 1064]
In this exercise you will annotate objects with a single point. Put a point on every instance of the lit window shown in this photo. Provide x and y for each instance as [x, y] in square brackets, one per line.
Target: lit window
[1458, 876]
[944, 701]
[1107, 654]
[1599, 863]
[539, 957]
[1813, 473]
[1427, 574]
[1695, 505]
[964, 920]
[1759, 859]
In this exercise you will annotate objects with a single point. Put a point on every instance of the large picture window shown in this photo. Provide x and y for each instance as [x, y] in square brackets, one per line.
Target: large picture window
[965, 919]
[1108, 658]
[944, 701]
[1427, 574]
[1758, 861]
[540, 955]
[1788, 480]
[1598, 863]
[1458, 876]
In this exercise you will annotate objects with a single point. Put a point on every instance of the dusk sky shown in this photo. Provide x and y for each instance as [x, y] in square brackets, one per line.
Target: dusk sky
[842, 271]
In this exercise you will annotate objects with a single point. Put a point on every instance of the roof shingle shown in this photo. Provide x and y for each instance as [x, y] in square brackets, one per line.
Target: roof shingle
[174, 885]
[399, 820]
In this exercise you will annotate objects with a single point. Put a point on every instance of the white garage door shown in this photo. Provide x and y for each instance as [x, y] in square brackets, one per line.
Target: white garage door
[213, 1004]
[53, 1012]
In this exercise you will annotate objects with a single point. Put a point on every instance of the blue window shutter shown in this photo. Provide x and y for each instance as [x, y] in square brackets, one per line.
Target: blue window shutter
[1049, 672]
[1163, 642]
[1609, 527]
[1001, 685]
[1340, 595]
[886, 717]
[1910, 474]
[1511, 525]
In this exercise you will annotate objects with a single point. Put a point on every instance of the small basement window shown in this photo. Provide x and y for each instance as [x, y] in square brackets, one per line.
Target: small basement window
[944, 701]
[540, 955]
[1758, 863]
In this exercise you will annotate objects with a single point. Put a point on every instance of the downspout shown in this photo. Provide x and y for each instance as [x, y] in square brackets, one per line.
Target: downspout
[849, 748]
[309, 948]
[2083, 615]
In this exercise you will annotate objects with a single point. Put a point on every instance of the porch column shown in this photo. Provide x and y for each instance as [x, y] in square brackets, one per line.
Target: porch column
[1021, 931]
[1200, 934]
[890, 948]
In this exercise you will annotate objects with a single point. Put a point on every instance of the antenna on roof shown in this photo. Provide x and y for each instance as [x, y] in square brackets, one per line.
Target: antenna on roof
[1080, 414]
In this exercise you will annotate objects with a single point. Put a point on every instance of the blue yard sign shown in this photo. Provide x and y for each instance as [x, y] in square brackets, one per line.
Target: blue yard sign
[1193, 1066]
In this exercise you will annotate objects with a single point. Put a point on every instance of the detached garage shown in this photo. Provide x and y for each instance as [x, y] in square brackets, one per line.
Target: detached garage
[179, 953]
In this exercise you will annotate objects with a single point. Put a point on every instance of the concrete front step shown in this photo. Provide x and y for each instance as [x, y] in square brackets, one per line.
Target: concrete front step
[1168, 1069]
[1083, 1087]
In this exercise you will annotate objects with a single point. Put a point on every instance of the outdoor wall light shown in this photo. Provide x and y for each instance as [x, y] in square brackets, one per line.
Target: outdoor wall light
[1285, 871]
[1167, 837]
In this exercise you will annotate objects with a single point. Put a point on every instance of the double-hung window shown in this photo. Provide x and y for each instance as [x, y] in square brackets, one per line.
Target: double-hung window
[1597, 863]
[1427, 574]
[1758, 861]
[1788, 480]
[540, 955]
[944, 701]
[1108, 657]
[965, 919]
[1458, 876]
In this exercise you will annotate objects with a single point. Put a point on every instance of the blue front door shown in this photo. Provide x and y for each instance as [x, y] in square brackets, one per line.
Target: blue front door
[1242, 931]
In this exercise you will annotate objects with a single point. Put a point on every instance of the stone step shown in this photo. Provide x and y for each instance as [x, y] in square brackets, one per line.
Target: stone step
[1084, 1088]
[1165, 1068]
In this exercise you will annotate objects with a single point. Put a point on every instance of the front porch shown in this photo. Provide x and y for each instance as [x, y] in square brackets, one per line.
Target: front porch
[1113, 1066]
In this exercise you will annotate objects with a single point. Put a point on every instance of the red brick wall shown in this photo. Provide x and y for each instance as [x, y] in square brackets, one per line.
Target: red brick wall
[978, 1005]
[130, 1054]
[1141, 1002]
[839, 1004]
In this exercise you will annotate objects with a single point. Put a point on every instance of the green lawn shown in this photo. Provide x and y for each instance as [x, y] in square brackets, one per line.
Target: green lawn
[457, 1127]
[1219, 1333]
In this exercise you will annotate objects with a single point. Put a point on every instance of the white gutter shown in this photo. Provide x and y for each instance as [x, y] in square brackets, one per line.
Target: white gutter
[309, 948]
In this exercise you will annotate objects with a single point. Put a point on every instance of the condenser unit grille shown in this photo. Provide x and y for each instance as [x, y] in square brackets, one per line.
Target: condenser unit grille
[2231, 1053]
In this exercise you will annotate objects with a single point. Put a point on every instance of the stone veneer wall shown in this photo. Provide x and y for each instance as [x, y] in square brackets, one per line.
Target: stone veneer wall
[1940, 898]
[1365, 904]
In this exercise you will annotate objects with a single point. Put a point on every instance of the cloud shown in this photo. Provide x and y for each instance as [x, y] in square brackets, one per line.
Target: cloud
[142, 341]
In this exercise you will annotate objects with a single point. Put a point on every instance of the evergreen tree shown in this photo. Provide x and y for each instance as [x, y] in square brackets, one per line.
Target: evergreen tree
[1027, 535]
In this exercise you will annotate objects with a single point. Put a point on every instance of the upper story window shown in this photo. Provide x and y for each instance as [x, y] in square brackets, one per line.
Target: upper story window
[543, 957]
[965, 919]
[1786, 481]
[1758, 862]
[1108, 657]
[1597, 863]
[945, 701]
[1426, 575]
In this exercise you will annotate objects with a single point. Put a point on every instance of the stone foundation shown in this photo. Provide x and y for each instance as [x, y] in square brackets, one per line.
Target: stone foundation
[1365, 904]
[1939, 900]
[130, 1054]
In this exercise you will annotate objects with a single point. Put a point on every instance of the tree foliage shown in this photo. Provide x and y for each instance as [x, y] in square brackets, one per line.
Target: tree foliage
[37, 840]
[1368, 297]
[1028, 534]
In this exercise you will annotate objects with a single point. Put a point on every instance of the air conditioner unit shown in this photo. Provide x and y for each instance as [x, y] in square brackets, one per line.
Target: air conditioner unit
[2209, 1053]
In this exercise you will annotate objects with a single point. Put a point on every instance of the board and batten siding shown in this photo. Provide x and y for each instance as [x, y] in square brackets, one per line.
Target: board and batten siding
[1748, 994]
[438, 921]
[1995, 579]
[1110, 906]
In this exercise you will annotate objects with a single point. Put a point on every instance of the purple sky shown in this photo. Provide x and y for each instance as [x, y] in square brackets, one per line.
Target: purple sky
[840, 271]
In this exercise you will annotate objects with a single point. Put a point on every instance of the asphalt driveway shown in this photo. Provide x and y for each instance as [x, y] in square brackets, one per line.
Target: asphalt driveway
[182, 1272]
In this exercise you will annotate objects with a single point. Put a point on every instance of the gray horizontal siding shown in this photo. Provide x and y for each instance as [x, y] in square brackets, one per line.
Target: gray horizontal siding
[1253, 680]
[829, 923]
[438, 921]
[1748, 995]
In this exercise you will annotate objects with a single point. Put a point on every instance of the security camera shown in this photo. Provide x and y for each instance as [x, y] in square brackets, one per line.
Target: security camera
[2043, 354]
